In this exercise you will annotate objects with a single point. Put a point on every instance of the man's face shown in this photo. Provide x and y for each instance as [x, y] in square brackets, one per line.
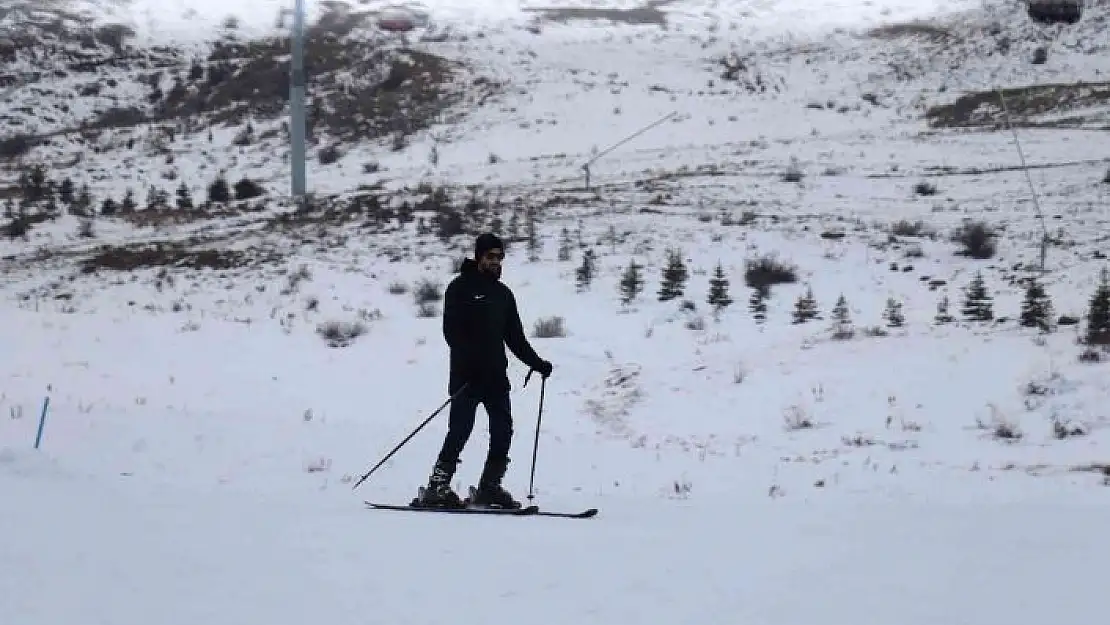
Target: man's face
[490, 262]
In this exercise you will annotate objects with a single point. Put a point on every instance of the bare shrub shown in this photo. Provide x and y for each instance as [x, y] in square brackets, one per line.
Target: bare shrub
[340, 333]
[906, 228]
[1000, 427]
[398, 288]
[1090, 355]
[1062, 429]
[977, 239]
[427, 310]
[549, 328]
[427, 292]
[767, 271]
[925, 188]
[797, 418]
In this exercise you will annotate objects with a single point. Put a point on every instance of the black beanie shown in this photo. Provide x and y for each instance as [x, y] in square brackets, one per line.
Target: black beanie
[487, 242]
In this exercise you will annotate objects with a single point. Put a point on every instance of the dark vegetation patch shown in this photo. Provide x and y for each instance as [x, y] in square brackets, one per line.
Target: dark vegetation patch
[907, 30]
[646, 15]
[984, 108]
[360, 85]
[132, 257]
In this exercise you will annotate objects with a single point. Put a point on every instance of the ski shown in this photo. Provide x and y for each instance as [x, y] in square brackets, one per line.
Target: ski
[530, 510]
[526, 511]
[585, 514]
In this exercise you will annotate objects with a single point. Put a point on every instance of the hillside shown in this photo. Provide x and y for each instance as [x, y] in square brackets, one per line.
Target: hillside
[857, 434]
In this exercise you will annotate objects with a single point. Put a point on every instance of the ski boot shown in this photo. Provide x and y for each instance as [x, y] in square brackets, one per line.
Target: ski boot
[438, 493]
[490, 493]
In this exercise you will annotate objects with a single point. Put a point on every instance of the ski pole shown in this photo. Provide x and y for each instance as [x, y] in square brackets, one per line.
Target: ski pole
[536, 443]
[409, 437]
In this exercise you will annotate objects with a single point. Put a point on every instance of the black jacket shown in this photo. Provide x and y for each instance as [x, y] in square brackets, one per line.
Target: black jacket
[480, 318]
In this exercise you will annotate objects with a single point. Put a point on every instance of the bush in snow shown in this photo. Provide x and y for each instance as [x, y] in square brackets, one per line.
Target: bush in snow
[768, 271]
[977, 239]
[549, 328]
[340, 333]
[427, 292]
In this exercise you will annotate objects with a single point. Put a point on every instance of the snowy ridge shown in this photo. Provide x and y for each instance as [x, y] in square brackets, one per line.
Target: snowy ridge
[220, 374]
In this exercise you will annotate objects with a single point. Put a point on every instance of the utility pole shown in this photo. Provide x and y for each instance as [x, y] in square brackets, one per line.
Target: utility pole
[296, 106]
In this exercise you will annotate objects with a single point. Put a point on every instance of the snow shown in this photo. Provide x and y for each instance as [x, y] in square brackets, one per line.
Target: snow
[202, 439]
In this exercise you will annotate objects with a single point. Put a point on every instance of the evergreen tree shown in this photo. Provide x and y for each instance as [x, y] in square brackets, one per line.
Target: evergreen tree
[109, 207]
[978, 303]
[842, 319]
[943, 316]
[718, 296]
[805, 307]
[532, 232]
[514, 225]
[674, 277]
[184, 197]
[157, 199]
[1036, 308]
[893, 313]
[757, 304]
[66, 192]
[128, 204]
[1098, 313]
[83, 205]
[584, 275]
[219, 192]
[631, 284]
[565, 245]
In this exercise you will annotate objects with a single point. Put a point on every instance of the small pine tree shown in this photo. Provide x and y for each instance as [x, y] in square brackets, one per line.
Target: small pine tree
[184, 197]
[219, 192]
[943, 316]
[1098, 313]
[805, 307]
[514, 225]
[531, 230]
[842, 319]
[565, 245]
[66, 192]
[109, 207]
[978, 303]
[674, 277]
[1036, 308]
[128, 204]
[83, 205]
[584, 275]
[718, 296]
[631, 284]
[157, 199]
[892, 314]
[757, 304]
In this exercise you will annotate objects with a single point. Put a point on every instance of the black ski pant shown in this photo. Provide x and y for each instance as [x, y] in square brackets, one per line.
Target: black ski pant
[464, 408]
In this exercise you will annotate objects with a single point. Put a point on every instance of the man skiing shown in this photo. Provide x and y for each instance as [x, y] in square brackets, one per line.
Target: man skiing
[480, 318]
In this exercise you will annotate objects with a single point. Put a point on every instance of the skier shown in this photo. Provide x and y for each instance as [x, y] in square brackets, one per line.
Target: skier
[480, 318]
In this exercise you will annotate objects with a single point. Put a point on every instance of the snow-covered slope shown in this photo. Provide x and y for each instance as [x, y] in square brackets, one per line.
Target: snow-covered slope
[219, 375]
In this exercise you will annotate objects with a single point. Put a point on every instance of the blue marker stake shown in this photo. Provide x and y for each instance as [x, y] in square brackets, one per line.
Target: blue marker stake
[42, 420]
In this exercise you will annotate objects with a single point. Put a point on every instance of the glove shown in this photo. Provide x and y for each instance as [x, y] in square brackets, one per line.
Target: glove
[544, 368]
